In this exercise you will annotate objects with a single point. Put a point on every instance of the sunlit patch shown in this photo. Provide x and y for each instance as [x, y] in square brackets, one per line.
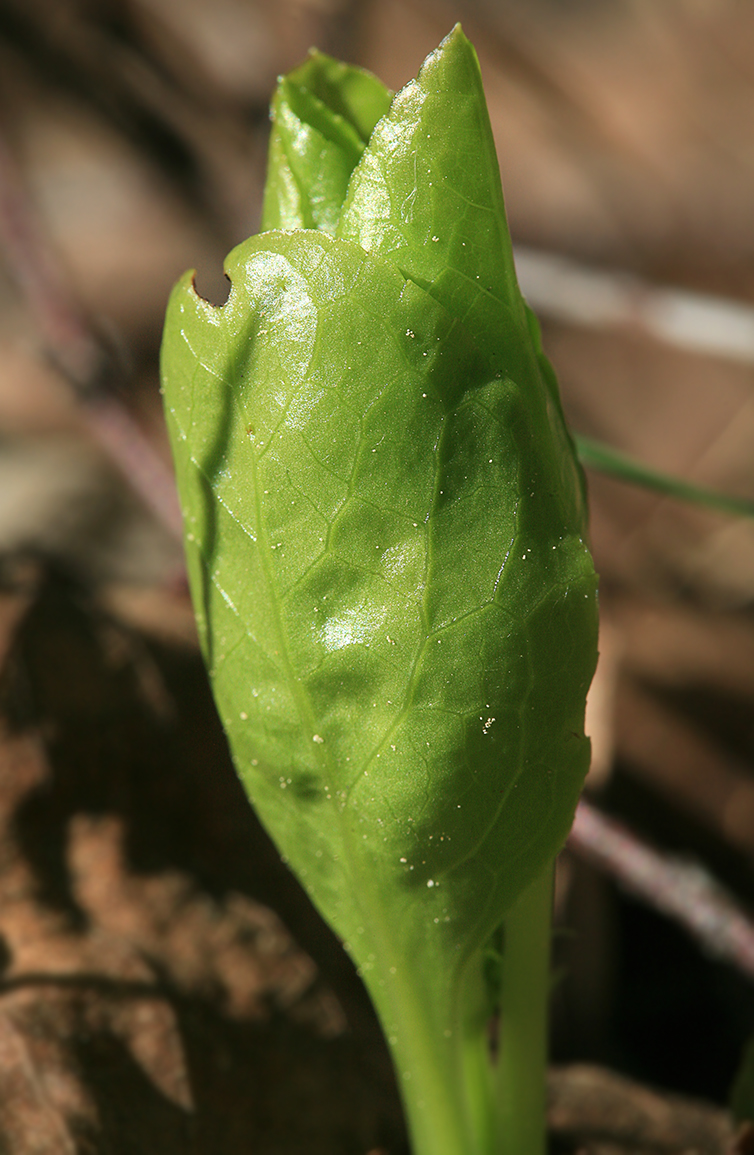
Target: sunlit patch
[353, 627]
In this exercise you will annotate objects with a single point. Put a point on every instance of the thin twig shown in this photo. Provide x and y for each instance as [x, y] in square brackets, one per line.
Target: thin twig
[64, 335]
[73, 346]
[117, 432]
[683, 891]
[566, 290]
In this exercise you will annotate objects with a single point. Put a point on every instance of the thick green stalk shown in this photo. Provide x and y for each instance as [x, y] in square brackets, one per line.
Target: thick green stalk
[437, 1028]
[430, 1078]
[522, 1055]
[439, 1052]
[455, 1101]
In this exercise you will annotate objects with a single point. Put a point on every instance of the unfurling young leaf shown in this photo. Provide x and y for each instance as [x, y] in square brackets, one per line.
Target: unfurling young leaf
[385, 533]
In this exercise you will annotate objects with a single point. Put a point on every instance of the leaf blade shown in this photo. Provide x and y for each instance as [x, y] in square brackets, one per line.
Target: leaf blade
[322, 115]
[370, 676]
[435, 210]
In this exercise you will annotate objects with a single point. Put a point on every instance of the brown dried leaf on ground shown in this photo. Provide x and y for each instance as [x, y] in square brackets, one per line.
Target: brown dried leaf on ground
[602, 1113]
[149, 1000]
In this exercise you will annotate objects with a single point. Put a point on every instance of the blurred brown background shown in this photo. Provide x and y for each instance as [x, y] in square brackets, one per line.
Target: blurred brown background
[166, 987]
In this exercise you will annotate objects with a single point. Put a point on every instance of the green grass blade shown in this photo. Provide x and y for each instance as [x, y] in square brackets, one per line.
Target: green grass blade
[595, 455]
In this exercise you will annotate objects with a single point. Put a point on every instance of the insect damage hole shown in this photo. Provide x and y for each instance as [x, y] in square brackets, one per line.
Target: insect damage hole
[211, 285]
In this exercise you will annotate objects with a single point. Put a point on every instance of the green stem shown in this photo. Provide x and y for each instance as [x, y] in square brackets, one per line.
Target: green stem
[522, 1055]
[476, 1069]
[430, 1048]
[436, 1023]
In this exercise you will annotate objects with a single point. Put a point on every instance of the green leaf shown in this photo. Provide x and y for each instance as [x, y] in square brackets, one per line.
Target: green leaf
[436, 211]
[322, 116]
[430, 200]
[364, 550]
[385, 533]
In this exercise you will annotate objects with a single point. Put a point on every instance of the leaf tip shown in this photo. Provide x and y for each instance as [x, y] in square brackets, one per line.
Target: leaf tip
[455, 36]
[455, 52]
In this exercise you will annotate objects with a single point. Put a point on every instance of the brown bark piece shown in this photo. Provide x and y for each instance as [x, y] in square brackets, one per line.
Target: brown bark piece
[603, 1113]
[101, 1064]
[679, 646]
[659, 746]
[29, 1121]
[743, 1143]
